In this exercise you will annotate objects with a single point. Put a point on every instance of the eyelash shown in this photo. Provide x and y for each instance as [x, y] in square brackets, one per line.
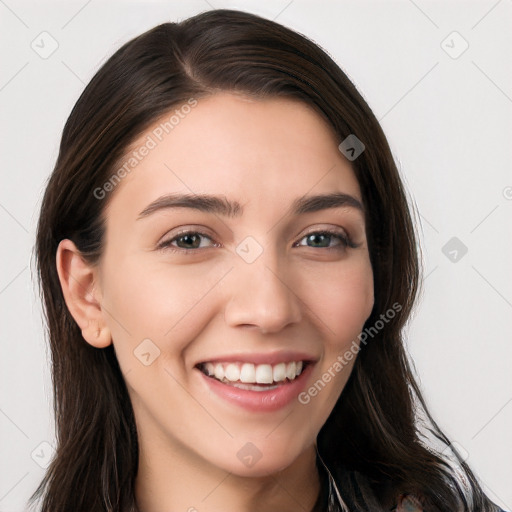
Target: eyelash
[345, 240]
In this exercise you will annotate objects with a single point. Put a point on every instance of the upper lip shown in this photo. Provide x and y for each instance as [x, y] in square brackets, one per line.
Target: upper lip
[271, 358]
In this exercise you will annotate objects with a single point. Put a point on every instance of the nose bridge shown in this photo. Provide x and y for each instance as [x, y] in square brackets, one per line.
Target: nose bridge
[260, 294]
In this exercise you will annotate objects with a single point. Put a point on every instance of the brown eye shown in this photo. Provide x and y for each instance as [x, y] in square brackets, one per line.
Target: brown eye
[187, 240]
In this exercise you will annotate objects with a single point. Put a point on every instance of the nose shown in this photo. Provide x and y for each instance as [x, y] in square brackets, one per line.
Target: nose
[262, 295]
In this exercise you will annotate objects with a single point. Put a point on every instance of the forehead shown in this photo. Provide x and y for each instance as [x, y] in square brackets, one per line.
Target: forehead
[261, 152]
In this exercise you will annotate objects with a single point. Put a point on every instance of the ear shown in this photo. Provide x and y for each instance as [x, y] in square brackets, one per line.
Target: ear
[78, 281]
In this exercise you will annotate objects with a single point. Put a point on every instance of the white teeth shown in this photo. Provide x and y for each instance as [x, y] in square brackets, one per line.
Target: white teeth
[248, 373]
[264, 374]
[253, 387]
[279, 372]
[232, 372]
[219, 371]
[290, 370]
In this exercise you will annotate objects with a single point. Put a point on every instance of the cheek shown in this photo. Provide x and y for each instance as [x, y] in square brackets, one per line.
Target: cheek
[340, 301]
[341, 298]
[166, 304]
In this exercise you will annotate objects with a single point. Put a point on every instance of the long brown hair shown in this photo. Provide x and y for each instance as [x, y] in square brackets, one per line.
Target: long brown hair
[373, 442]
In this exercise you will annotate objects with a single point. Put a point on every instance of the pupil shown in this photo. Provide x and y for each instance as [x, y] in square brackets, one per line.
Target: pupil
[190, 240]
[319, 240]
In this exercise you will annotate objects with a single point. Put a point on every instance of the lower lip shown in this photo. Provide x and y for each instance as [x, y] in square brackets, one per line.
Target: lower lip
[260, 401]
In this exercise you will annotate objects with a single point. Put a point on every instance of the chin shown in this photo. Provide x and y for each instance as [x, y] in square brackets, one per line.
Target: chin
[259, 459]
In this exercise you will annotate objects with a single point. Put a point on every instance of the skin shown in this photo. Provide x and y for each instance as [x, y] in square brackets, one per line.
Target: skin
[199, 303]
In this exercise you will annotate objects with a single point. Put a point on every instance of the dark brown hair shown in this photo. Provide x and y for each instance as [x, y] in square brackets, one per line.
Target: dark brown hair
[374, 442]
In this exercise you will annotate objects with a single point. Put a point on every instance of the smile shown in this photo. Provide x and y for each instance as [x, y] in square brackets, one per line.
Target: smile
[259, 383]
[256, 377]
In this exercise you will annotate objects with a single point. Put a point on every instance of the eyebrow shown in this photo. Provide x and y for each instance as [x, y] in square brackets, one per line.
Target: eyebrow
[222, 206]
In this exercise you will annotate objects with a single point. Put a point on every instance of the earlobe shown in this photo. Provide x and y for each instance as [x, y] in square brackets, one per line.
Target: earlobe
[97, 335]
[78, 280]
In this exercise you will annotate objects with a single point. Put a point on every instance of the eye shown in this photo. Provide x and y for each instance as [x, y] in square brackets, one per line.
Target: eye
[187, 240]
[326, 239]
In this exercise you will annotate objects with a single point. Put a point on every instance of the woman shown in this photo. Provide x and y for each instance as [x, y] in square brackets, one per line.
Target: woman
[227, 261]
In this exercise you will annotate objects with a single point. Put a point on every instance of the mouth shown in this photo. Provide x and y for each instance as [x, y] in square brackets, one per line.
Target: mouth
[254, 377]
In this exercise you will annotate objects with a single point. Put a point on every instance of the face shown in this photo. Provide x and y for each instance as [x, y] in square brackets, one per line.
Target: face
[228, 291]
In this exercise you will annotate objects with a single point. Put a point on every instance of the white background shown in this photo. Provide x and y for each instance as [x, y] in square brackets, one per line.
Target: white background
[449, 124]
